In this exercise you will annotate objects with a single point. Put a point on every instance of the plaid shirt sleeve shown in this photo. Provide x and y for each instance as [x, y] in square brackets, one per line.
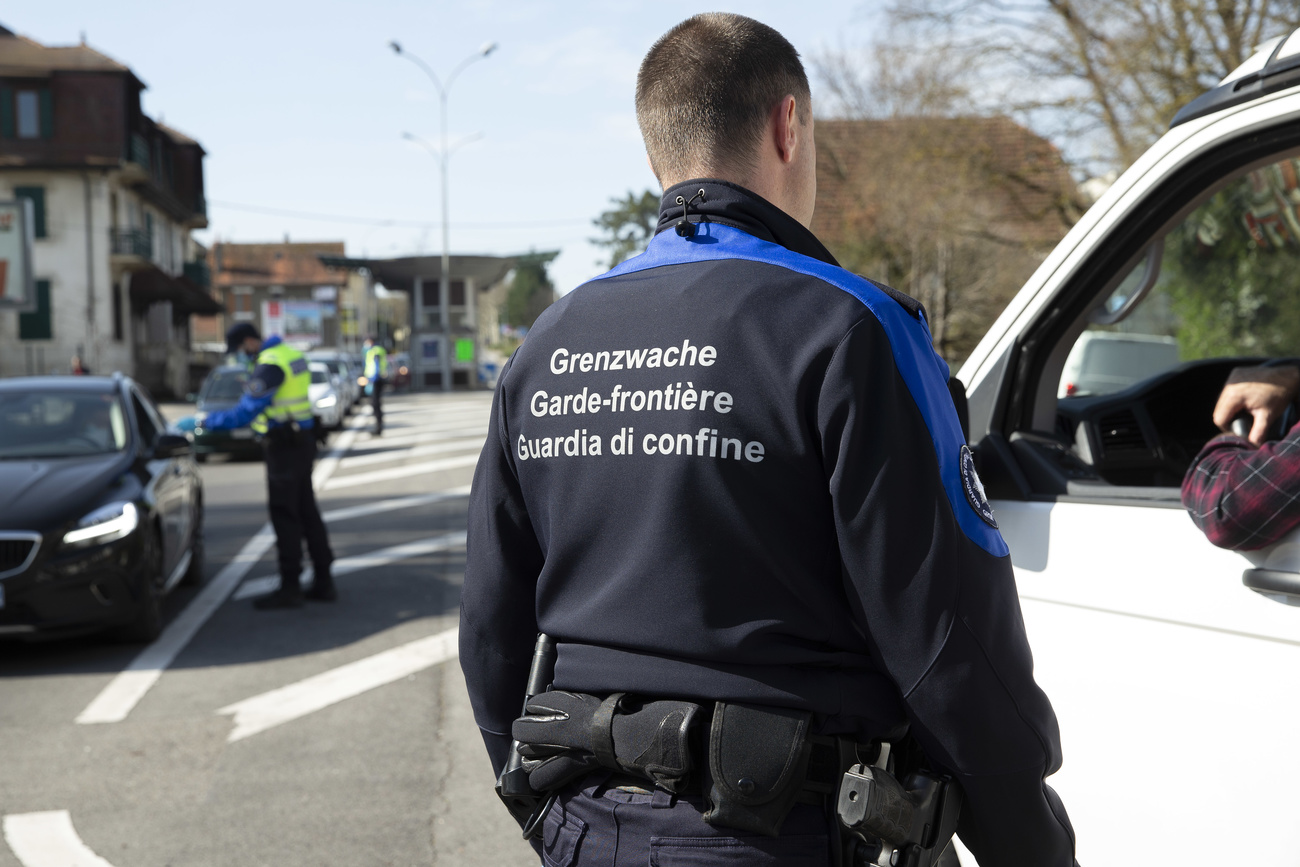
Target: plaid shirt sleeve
[1244, 497]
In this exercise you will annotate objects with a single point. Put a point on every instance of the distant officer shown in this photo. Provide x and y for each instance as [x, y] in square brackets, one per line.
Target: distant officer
[277, 405]
[376, 374]
[729, 475]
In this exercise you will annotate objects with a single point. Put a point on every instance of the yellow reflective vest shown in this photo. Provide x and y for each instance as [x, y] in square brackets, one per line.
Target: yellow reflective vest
[376, 363]
[292, 400]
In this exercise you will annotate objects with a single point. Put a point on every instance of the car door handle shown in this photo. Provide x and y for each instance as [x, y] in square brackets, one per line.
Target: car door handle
[1280, 586]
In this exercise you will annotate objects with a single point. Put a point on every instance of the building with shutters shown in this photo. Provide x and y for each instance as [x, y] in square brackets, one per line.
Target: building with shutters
[116, 195]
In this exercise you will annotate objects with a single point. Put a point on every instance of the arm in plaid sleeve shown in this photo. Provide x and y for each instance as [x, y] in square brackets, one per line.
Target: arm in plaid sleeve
[1244, 497]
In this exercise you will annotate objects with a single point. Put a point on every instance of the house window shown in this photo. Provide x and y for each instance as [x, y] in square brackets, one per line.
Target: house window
[26, 113]
[29, 114]
[37, 196]
[36, 325]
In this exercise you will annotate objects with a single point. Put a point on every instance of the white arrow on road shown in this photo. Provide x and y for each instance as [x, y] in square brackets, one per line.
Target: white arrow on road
[48, 840]
[279, 706]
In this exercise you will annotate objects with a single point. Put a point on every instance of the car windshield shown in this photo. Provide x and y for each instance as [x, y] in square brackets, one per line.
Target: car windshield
[319, 375]
[52, 424]
[224, 385]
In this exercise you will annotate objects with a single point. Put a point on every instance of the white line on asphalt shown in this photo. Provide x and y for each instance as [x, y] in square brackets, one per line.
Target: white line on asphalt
[460, 444]
[328, 464]
[48, 840]
[394, 504]
[348, 565]
[402, 472]
[125, 690]
[270, 709]
[422, 435]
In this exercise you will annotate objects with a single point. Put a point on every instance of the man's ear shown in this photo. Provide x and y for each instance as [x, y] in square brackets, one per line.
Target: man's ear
[786, 129]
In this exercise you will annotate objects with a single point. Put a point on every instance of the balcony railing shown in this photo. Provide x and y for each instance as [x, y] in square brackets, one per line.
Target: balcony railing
[131, 242]
[199, 273]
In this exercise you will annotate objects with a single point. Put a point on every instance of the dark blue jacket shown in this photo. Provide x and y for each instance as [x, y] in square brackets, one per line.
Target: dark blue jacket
[730, 469]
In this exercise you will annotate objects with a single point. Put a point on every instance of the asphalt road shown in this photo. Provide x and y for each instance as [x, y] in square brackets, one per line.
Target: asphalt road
[335, 734]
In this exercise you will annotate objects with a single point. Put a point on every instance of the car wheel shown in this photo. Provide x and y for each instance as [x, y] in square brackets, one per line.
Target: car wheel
[147, 623]
[194, 574]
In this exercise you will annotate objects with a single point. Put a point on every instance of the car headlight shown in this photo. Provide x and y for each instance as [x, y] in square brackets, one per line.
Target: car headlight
[327, 401]
[361, 380]
[105, 524]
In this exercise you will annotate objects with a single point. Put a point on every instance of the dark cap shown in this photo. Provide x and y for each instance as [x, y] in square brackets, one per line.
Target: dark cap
[238, 333]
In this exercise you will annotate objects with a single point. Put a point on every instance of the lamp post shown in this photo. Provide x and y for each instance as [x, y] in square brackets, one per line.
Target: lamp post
[443, 155]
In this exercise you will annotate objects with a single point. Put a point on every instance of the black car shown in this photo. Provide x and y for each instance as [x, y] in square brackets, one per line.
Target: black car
[101, 508]
[222, 390]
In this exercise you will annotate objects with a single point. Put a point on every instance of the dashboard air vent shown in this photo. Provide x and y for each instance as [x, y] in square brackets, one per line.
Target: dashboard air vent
[1120, 432]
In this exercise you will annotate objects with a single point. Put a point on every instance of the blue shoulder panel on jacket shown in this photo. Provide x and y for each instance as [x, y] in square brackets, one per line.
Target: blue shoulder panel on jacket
[923, 371]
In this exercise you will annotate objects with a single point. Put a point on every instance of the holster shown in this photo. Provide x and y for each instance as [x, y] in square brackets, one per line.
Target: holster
[758, 762]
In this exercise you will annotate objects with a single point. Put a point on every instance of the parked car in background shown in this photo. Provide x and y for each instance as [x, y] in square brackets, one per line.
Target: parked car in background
[342, 365]
[101, 508]
[221, 390]
[399, 371]
[1155, 646]
[325, 392]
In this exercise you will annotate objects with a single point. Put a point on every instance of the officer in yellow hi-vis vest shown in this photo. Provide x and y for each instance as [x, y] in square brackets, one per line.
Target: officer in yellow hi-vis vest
[277, 405]
[375, 373]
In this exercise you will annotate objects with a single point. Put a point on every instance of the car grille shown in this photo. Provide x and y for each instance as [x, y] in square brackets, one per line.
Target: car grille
[17, 550]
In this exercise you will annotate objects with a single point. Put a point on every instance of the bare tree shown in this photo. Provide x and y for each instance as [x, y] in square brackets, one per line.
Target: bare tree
[1113, 72]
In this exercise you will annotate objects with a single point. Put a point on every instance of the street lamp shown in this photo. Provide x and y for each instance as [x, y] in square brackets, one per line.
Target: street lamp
[443, 155]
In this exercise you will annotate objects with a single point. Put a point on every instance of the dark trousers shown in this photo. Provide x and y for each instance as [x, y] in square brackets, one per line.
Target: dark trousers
[377, 402]
[593, 823]
[292, 505]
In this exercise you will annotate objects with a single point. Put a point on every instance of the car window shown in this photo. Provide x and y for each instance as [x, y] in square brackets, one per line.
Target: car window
[55, 424]
[224, 385]
[319, 375]
[145, 420]
[1221, 283]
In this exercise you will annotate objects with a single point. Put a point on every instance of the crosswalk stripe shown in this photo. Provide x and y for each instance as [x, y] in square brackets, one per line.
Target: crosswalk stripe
[460, 444]
[48, 840]
[288, 703]
[348, 565]
[402, 472]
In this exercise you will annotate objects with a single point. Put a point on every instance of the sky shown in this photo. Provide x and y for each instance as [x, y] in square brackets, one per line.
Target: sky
[302, 106]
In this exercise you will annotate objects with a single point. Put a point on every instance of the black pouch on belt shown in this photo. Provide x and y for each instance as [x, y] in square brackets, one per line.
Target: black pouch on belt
[758, 758]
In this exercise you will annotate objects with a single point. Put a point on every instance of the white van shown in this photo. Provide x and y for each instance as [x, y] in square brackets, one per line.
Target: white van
[1174, 666]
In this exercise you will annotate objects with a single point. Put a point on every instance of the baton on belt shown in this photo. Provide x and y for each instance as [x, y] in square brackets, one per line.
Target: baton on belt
[527, 806]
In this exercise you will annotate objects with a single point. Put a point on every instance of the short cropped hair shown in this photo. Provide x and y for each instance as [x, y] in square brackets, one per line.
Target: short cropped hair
[706, 89]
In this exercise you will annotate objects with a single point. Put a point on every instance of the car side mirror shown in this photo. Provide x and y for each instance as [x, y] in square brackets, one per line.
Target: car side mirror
[171, 445]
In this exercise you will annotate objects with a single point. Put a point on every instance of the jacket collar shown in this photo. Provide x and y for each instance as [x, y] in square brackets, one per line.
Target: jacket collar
[733, 205]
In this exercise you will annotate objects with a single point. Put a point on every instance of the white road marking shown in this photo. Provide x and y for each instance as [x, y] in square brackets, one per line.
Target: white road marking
[402, 472]
[326, 466]
[461, 444]
[116, 701]
[348, 565]
[48, 840]
[279, 706]
[423, 435]
[394, 504]
[125, 690]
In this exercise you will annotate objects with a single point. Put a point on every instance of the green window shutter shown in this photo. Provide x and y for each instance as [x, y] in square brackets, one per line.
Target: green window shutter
[37, 325]
[47, 113]
[37, 195]
[7, 129]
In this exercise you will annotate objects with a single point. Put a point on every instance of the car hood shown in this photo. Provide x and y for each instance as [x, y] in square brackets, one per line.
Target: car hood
[42, 494]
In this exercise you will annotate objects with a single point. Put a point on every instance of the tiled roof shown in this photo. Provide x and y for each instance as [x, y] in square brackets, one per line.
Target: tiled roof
[22, 56]
[285, 264]
[986, 176]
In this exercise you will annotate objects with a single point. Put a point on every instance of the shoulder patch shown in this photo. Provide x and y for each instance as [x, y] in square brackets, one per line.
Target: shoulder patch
[298, 366]
[256, 387]
[913, 307]
[970, 481]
